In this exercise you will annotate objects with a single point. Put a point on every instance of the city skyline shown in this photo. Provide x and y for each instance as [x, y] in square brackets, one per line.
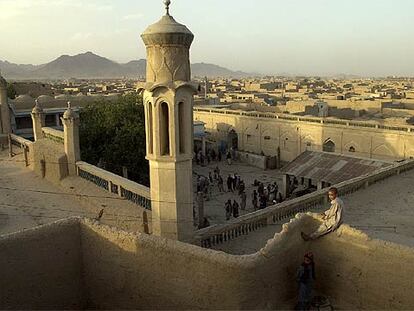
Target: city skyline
[277, 37]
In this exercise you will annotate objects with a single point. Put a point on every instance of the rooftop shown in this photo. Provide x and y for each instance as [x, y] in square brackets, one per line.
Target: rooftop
[331, 168]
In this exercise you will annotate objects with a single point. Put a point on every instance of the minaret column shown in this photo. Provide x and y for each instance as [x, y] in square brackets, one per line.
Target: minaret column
[38, 119]
[168, 101]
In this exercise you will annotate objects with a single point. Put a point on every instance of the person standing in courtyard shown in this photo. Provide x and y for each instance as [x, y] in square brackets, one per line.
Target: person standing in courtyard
[228, 157]
[235, 209]
[331, 219]
[229, 209]
[229, 184]
[263, 202]
[305, 278]
[243, 198]
[220, 183]
[254, 199]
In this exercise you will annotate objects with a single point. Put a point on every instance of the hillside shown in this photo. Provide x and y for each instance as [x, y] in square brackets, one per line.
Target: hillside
[89, 65]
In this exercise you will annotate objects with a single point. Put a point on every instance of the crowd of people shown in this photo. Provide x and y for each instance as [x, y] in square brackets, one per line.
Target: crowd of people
[211, 155]
[261, 197]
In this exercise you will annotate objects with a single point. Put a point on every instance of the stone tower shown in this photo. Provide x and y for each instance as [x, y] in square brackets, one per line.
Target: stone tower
[5, 123]
[168, 100]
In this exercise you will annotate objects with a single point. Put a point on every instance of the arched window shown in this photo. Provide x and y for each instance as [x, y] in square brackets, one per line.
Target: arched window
[233, 139]
[150, 129]
[352, 149]
[182, 127]
[329, 146]
[164, 129]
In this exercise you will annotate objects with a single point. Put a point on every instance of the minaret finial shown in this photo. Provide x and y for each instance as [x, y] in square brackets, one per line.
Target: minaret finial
[69, 105]
[167, 6]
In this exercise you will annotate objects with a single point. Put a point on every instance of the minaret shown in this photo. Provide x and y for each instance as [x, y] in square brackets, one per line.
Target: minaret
[38, 119]
[168, 100]
[5, 123]
[70, 121]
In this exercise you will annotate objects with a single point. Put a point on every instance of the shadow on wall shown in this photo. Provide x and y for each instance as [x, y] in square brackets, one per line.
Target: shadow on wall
[127, 271]
[104, 268]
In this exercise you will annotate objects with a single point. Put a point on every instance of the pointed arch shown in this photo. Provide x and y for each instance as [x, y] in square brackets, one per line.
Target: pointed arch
[383, 151]
[329, 146]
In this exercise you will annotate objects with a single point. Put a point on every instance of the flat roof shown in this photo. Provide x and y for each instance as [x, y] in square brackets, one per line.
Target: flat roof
[330, 167]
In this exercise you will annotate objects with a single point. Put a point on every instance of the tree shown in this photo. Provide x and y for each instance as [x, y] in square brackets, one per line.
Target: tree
[113, 135]
[11, 92]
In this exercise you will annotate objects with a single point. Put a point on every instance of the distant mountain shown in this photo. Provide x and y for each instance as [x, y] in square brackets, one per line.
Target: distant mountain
[87, 65]
[90, 65]
[211, 70]
[15, 70]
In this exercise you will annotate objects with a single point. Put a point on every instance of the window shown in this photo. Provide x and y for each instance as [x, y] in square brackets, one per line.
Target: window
[267, 138]
[352, 149]
[181, 126]
[164, 129]
[150, 129]
[329, 146]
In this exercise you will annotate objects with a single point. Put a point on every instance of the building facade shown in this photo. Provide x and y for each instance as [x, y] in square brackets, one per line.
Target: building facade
[266, 132]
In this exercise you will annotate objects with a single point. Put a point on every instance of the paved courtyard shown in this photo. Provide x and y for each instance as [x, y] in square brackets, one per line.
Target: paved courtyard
[214, 208]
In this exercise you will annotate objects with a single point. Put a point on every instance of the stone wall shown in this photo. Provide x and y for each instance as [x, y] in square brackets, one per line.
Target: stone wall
[104, 268]
[50, 160]
[41, 268]
[253, 159]
[364, 273]
[128, 271]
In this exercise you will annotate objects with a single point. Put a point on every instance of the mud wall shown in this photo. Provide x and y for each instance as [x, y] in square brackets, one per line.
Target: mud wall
[40, 268]
[127, 271]
[363, 273]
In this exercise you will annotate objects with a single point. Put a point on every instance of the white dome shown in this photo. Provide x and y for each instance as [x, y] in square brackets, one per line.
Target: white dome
[24, 99]
[63, 97]
[45, 99]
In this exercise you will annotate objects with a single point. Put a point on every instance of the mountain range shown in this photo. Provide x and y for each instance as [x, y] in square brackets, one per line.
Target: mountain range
[91, 66]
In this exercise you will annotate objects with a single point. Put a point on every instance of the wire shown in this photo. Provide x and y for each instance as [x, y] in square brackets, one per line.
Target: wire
[64, 210]
[62, 193]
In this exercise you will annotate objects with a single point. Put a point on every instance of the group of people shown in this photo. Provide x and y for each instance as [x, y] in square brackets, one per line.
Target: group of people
[235, 184]
[211, 155]
[261, 198]
[265, 195]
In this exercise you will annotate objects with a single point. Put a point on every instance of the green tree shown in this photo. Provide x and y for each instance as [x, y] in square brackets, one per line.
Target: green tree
[11, 92]
[112, 134]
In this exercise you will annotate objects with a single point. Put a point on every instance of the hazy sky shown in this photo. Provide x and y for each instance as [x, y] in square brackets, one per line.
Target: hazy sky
[368, 37]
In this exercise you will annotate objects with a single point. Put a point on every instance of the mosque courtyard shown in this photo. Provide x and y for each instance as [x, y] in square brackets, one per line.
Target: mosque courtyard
[383, 211]
[214, 206]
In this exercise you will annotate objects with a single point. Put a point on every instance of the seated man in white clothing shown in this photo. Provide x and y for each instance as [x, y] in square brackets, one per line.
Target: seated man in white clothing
[331, 219]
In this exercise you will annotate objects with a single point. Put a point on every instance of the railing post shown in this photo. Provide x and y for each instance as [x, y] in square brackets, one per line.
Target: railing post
[10, 147]
[26, 160]
[145, 222]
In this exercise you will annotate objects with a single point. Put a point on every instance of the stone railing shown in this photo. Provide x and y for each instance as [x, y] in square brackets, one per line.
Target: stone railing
[21, 143]
[218, 234]
[52, 134]
[307, 119]
[113, 183]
